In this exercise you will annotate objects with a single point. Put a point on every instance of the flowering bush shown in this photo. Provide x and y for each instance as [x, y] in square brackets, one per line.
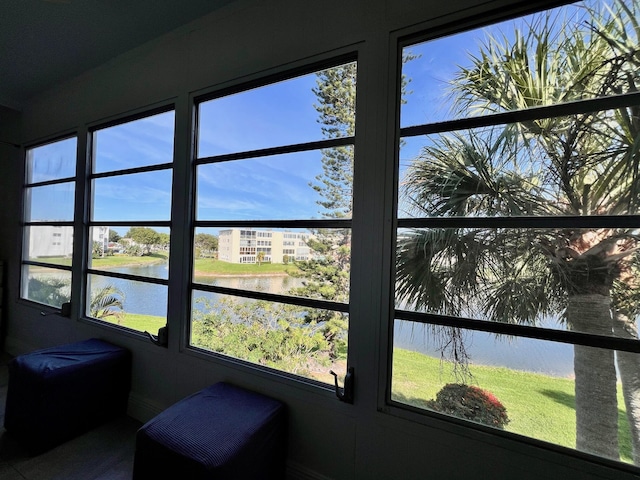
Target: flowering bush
[470, 403]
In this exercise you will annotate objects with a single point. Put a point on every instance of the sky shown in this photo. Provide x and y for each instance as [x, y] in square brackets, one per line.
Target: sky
[265, 188]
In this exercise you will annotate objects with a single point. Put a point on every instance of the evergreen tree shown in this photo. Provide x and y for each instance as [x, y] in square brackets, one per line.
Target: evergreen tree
[327, 275]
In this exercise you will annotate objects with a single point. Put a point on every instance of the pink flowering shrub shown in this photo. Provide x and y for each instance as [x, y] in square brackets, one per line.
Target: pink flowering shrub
[471, 403]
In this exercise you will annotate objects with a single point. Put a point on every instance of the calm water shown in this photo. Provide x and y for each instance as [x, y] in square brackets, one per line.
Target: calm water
[151, 299]
[550, 358]
[522, 354]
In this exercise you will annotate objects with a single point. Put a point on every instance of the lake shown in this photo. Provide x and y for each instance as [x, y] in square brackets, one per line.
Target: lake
[551, 358]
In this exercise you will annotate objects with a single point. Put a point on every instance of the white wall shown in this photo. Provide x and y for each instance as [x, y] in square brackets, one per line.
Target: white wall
[327, 439]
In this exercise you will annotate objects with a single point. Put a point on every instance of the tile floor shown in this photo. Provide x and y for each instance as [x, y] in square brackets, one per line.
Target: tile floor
[105, 453]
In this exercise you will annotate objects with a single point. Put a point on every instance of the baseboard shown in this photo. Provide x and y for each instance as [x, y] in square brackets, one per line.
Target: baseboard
[141, 408]
[295, 471]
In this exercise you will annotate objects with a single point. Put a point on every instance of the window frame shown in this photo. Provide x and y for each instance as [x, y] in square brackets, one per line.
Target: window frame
[25, 205]
[432, 31]
[87, 204]
[261, 80]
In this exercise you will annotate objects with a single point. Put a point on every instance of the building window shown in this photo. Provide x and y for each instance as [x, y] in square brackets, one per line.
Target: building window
[129, 227]
[258, 151]
[49, 193]
[516, 284]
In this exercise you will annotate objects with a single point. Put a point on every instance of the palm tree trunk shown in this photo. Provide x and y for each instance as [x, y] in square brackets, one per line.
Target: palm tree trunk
[629, 368]
[595, 377]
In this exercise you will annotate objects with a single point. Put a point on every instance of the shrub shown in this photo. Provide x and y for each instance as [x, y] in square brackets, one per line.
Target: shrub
[471, 403]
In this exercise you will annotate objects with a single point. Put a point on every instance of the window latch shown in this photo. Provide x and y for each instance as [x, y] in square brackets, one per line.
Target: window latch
[345, 394]
[65, 311]
[162, 339]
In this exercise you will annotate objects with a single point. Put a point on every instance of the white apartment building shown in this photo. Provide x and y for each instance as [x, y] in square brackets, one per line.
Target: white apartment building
[242, 246]
[57, 240]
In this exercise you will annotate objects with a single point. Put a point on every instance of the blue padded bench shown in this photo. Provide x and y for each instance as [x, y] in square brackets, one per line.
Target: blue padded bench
[60, 392]
[221, 432]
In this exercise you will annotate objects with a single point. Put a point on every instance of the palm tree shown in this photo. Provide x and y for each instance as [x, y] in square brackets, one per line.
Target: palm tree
[106, 301]
[580, 165]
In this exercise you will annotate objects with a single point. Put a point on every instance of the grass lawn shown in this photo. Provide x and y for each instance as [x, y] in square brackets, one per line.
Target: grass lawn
[210, 266]
[128, 260]
[141, 323]
[203, 266]
[538, 406]
[112, 260]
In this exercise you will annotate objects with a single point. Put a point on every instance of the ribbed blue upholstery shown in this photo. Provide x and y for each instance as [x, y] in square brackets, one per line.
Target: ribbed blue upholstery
[57, 393]
[221, 432]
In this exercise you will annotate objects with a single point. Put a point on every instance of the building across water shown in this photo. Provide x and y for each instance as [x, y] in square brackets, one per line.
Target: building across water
[57, 240]
[244, 246]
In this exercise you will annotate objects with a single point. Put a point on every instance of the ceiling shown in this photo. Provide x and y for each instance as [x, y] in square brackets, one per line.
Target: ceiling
[44, 42]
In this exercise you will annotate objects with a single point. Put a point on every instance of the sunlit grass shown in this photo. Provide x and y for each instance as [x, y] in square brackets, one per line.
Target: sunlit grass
[203, 266]
[138, 322]
[538, 406]
[129, 260]
[210, 266]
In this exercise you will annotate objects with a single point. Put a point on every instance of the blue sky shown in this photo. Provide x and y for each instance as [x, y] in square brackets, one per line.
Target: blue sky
[266, 188]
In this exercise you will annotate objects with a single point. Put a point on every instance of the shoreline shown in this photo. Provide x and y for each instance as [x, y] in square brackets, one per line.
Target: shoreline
[196, 273]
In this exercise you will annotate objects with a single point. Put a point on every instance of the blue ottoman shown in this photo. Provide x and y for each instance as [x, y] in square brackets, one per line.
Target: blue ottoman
[57, 393]
[221, 432]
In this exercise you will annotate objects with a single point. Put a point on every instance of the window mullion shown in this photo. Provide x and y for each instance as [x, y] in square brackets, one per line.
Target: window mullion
[181, 218]
[81, 223]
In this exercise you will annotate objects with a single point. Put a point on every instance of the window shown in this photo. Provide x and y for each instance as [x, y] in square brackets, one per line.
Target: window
[259, 149]
[49, 192]
[516, 282]
[129, 237]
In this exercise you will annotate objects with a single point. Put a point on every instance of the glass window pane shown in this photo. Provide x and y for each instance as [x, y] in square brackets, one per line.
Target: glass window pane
[534, 169]
[566, 279]
[140, 196]
[286, 337]
[525, 386]
[275, 187]
[142, 251]
[282, 113]
[140, 306]
[543, 59]
[49, 286]
[49, 244]
[50, 203]
[52, 161]
[299, 262]
[140, 143]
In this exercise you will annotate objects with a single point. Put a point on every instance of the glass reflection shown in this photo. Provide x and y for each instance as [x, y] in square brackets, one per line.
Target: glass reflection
[46, 285]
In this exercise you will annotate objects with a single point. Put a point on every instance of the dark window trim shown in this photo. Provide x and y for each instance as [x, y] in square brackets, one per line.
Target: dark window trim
[289, 74]
[46, 183]
[273, 151]
[88, 222]
[284, 224]
[527, 331]
[143, 113]
[401, 410]
[577, 107]
[131, 171]
[272, 297]
[127, 276]
[308, 224]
